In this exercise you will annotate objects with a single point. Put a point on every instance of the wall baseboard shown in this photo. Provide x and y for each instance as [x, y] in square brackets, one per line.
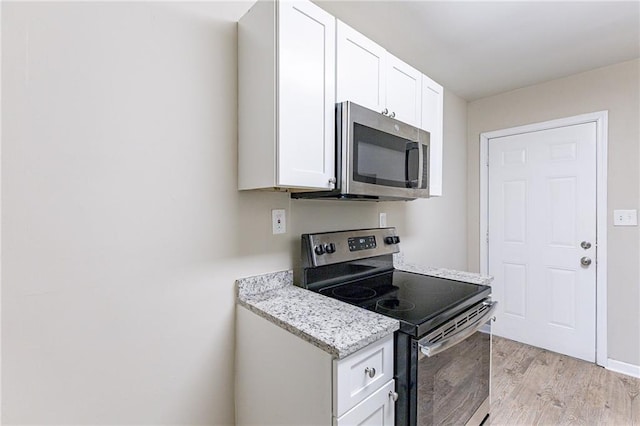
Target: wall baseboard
[624, 368]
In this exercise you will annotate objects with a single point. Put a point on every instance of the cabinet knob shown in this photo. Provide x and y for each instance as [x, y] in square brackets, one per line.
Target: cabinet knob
[392, 115]
[385, 111]
[393, 395]
[370, 371]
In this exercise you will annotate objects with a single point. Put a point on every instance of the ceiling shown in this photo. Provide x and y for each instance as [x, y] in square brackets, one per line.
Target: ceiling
[478, 49]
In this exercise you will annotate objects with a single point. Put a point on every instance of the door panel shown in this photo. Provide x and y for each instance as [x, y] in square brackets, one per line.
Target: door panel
[542, 204]
[432, 107]
[404, 91]
[360, 69]
[515, 300]
[306, 95]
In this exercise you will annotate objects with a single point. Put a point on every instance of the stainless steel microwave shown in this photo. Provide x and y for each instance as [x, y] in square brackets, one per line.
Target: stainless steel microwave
[377, 157]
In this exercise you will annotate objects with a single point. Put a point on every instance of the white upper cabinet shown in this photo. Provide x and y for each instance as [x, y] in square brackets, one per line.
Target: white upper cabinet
[370, 76]
[360, 69]
[404, 91]
[306, 84]
[286, 88]
[432, 122]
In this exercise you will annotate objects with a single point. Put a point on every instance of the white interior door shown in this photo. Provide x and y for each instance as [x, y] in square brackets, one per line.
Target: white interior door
[542, 206]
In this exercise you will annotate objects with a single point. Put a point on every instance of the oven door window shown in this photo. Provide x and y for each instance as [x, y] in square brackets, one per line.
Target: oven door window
[453, 384]
[381, 158]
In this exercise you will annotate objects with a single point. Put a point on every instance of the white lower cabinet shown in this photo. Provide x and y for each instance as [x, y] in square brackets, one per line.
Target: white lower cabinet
[280, 379]
[363, 386]
[359, 375]
[378, 409]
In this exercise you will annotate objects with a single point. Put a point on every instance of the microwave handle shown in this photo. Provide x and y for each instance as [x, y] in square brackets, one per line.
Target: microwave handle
[412, 183]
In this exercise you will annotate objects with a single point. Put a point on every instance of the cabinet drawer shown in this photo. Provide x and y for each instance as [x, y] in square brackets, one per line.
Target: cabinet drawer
[361, 374]
[378, 409]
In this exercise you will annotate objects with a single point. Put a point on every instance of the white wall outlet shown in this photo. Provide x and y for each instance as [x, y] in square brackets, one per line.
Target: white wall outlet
[278, 221]
[383, 220]
[625, 218]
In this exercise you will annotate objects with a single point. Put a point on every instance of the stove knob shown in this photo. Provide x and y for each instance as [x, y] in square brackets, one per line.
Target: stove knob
[330, 248]
[396, 240]
[319, 250]
[388, 240]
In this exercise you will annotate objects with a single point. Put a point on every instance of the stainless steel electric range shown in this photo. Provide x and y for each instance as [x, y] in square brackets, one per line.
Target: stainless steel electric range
[442, 357]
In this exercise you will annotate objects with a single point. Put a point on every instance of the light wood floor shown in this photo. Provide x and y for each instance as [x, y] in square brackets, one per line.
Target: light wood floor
[533, 386]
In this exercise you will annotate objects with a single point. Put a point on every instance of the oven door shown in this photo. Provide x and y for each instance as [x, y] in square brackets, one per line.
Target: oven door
[382, 156]
[453, 384]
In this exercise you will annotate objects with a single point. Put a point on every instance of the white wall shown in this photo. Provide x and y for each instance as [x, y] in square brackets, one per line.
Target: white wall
[617, 89]
[123, 232]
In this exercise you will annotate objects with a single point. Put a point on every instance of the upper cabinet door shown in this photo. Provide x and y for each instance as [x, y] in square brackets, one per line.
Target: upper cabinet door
[432, 107]
[306, 95]
[360, 72]
[404, 91]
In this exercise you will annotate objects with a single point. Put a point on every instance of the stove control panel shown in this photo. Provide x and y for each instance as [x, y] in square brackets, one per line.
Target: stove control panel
[362, 243]
[328, 248]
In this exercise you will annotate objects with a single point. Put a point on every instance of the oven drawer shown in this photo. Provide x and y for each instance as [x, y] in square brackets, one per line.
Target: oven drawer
[361, 374]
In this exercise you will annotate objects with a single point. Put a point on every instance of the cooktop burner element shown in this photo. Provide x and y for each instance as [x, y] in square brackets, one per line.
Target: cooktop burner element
[353, 292]
[395, 305]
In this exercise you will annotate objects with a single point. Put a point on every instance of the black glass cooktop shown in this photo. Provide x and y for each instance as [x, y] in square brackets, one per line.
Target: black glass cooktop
[420, 302]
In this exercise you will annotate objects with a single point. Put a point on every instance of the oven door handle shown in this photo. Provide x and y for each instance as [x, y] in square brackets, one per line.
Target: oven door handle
[444, 344]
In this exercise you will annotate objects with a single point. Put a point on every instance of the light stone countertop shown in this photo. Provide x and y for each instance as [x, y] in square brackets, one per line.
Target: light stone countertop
[338, 328]
[468, 277]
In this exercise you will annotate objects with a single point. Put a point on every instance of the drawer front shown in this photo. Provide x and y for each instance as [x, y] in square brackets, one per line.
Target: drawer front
[376, 410]
[361, 374]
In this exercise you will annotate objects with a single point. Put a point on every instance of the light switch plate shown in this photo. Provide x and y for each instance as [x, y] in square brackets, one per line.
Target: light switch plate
[625, 218]
[278, 221]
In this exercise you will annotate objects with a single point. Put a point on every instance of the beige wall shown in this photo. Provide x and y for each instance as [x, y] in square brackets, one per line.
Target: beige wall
[616, 89]
[123, 232]
[433, 230]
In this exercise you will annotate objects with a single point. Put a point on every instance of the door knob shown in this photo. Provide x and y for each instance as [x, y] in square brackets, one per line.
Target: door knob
[585, 245]
[585, 261]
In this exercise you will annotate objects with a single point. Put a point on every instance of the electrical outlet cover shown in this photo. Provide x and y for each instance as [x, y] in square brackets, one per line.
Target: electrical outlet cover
[278, 221]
